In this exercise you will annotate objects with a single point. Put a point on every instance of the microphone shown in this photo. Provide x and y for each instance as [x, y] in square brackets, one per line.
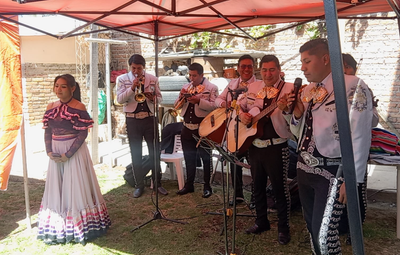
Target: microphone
[235, 94]
[239, 91]
[296, 87]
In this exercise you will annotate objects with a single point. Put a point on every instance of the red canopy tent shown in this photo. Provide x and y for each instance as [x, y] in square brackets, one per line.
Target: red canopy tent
[164, 19]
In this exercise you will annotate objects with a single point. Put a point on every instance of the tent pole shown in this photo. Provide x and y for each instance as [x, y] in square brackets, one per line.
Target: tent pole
[109, 97]
[342, 114]
[108, 85]
[396, 10]
[398, 24]
[25, 173]
[156, 39]
[94, 88]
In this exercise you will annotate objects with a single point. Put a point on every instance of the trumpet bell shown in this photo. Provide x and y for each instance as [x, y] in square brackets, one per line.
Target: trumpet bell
[173, 112]
[140, 97]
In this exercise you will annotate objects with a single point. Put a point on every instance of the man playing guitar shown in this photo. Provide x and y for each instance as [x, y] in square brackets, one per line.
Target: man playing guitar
[268, 154]
[245, 68]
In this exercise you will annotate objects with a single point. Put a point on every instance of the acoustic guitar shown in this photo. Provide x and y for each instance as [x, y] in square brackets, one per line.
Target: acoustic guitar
[247, 133]
[213, 125]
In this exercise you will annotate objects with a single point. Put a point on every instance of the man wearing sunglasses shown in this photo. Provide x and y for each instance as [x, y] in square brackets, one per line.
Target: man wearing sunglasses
[245, 68]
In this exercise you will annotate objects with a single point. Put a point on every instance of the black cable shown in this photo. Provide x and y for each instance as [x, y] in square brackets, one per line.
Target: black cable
[379, 191]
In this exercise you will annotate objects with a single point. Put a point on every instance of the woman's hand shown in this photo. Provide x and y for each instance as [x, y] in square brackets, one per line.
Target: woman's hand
[57, 157]
[64, 158]
[51, 156]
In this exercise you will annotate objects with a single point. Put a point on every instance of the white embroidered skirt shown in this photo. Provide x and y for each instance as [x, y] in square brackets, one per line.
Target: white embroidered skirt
[72, 208]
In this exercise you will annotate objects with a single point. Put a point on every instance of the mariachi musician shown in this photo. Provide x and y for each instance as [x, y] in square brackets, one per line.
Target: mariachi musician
[136, 90]
[197, 101]
[269, 154]
[245, 68]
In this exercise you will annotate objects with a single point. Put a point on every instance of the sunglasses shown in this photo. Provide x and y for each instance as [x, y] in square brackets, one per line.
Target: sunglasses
[244, 66]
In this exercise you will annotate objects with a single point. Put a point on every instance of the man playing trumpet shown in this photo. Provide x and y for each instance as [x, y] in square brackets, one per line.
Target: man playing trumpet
[198, 98]
[136, 91]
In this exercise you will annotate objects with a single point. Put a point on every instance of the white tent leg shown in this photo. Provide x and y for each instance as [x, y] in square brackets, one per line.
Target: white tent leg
[25, 172]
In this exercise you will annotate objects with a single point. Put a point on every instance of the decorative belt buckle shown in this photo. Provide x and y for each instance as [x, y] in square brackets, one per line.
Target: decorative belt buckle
[191, 126]
[280, 140]
[333, 162]
[142, 115]
[309, 159]
[261, 143]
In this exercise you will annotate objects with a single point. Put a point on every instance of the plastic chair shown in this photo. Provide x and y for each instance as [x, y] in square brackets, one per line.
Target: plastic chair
[177, 159]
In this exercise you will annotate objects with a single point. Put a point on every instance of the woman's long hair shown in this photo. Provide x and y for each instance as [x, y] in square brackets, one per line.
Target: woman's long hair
[71, 83]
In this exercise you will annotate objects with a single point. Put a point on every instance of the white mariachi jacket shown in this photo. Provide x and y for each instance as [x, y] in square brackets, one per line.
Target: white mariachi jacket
[233, 84]
[250, 103]
[207, 99]
[126, 96]
[325, 127]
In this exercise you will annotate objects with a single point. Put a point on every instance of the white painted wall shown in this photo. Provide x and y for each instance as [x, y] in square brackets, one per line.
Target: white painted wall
[46, 49]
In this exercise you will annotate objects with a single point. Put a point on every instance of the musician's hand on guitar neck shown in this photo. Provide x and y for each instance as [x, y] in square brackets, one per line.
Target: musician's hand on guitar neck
[245, 118]
[225, 105]
[283, 103]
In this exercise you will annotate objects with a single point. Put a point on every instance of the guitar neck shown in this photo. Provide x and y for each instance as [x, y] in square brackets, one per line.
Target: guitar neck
[265, 112]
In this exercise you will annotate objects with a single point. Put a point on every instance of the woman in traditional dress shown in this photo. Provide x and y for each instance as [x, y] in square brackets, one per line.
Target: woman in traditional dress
[72, 208]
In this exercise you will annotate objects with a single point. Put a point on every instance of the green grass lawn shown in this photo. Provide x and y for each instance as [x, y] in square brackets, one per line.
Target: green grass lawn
[202, 235]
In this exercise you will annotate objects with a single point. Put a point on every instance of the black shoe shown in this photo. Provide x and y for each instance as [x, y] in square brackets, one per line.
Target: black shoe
[207, 193]
[348, 239]
[252, 206]
[255, 229]
[283, 238]
[162, 191]
[138, 192]
[185, 190]
[239, 200]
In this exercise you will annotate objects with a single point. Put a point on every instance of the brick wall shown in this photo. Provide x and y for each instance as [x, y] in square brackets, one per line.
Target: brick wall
[120, 53]
[39, 79]
[377, 43]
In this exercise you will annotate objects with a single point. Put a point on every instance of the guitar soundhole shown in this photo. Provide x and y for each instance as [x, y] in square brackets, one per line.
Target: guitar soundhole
[212, 121]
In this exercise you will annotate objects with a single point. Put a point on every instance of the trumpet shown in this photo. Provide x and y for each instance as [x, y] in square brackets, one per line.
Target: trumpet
[139, 95]
[191, 91]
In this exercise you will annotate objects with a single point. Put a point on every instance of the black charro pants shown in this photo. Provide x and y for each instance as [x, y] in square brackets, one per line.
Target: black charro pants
[190, 154]
[362, 199]
[239, 175]
[319, 191]
[272, 162]
[137, 129]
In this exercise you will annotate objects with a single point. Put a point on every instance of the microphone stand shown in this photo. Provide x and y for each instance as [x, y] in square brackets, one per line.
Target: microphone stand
[156, 151]
[224, 156]
[235, 108]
